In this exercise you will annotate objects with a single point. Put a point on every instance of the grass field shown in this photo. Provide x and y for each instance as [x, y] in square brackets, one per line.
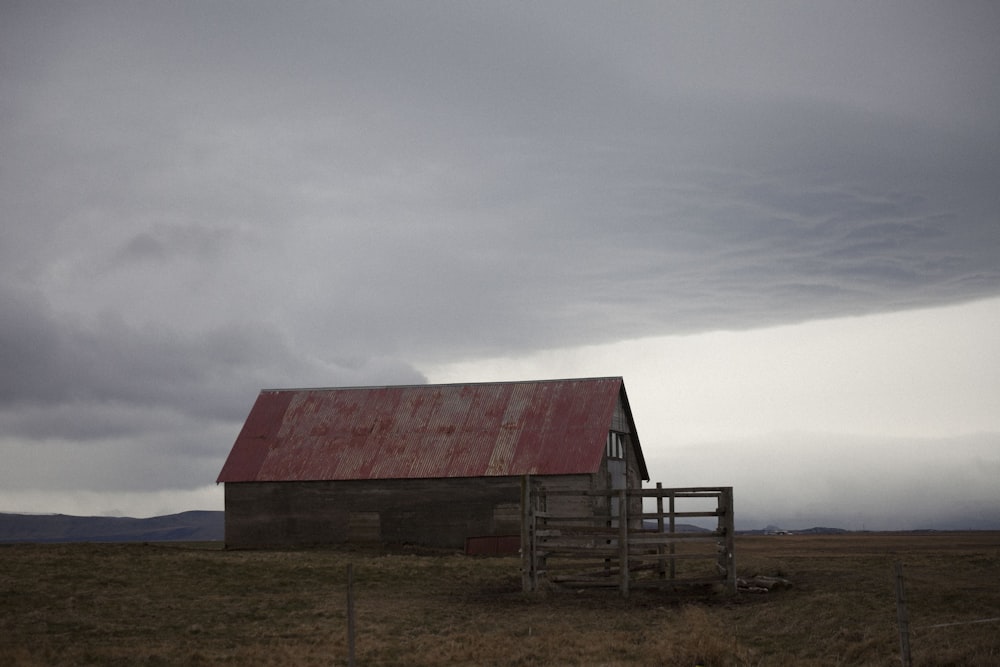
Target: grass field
[159, 604]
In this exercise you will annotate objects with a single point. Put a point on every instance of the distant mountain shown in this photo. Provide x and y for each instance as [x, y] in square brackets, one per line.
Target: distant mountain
[774, 530]
[821, 530]
[195, 526]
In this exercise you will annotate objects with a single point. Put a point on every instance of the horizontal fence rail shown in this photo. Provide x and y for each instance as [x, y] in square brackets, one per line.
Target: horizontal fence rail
[622, 543]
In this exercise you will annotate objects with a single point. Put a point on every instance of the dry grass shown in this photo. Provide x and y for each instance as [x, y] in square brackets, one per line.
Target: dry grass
[197, 604]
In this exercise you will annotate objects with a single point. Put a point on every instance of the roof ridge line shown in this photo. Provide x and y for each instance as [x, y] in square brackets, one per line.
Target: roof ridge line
[442, 384]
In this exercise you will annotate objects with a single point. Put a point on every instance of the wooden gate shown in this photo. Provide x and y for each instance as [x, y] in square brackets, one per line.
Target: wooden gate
[642, 546]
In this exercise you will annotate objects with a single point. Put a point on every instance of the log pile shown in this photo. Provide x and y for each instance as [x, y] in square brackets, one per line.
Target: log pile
[761, 584]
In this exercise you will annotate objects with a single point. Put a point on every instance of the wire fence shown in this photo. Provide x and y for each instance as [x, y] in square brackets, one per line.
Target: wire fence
[902, 619]
[948, 625]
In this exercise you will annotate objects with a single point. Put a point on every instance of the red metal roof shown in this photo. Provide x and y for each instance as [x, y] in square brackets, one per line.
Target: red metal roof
[549, 427]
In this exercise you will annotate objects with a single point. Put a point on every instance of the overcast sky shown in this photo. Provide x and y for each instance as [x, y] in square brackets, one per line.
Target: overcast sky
[779, 221]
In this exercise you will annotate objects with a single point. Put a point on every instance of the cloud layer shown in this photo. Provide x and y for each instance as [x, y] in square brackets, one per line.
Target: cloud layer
[200, 200]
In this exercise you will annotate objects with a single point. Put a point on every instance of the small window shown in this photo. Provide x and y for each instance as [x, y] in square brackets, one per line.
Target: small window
[364, 527]
[616, 445]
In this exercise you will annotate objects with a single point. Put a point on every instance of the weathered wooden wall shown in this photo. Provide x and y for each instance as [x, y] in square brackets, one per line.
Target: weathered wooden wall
[428, 512]
[634, 477]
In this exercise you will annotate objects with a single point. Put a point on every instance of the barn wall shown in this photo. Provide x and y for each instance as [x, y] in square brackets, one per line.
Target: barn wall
[634, 478]
[581, 505]
[427, 512]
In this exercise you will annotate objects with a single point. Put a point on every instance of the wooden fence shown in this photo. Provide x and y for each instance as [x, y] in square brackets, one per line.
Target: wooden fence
[633, 542]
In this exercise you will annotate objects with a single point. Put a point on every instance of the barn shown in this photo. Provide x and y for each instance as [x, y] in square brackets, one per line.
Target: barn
[431, 465]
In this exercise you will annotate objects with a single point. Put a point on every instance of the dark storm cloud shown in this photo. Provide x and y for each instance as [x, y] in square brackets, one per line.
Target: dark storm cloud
[161, 450]
[165, 241]
[203, 199]
[66, 379]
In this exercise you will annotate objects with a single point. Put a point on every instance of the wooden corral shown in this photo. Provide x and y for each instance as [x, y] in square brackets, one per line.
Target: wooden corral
[640, 546]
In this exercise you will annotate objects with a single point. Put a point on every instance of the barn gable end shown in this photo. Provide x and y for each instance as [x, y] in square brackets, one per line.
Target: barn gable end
[433, 465]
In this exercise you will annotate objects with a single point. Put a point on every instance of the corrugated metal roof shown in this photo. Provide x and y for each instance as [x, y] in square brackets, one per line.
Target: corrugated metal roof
[548, 427]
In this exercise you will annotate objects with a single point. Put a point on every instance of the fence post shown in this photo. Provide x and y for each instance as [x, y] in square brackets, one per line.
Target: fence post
[729, 525]
[527, 548]
[902, 617]
[350, 616]
[673, 529]
[661, 567]
[623, 539]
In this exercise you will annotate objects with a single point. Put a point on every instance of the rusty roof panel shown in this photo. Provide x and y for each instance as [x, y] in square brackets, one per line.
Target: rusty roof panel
[549, 427]
[256, 438]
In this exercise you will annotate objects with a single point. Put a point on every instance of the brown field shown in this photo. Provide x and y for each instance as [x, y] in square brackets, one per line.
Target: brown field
[160, 604]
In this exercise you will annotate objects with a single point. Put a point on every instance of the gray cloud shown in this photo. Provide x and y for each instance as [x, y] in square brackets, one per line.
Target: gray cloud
[200, 200]
[163, 242]
[70, 380]
[873, 483]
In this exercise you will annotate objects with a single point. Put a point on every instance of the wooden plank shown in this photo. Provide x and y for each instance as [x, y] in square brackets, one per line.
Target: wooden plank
[548, 533]
[555, 518]
[612, 571]
[577, 492]
[681, 536]
[567, 549]
[557, 557]
[902, 618]
[573, 556]
[351, 661]
[727, 559]
[676, 538]
[590, 531]
[656, 557]
[623, 540]
[527, 548]
[659, 527]
[688, 491]
[553, 545]
[680, 515]
[685, 492]
[582, 583]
